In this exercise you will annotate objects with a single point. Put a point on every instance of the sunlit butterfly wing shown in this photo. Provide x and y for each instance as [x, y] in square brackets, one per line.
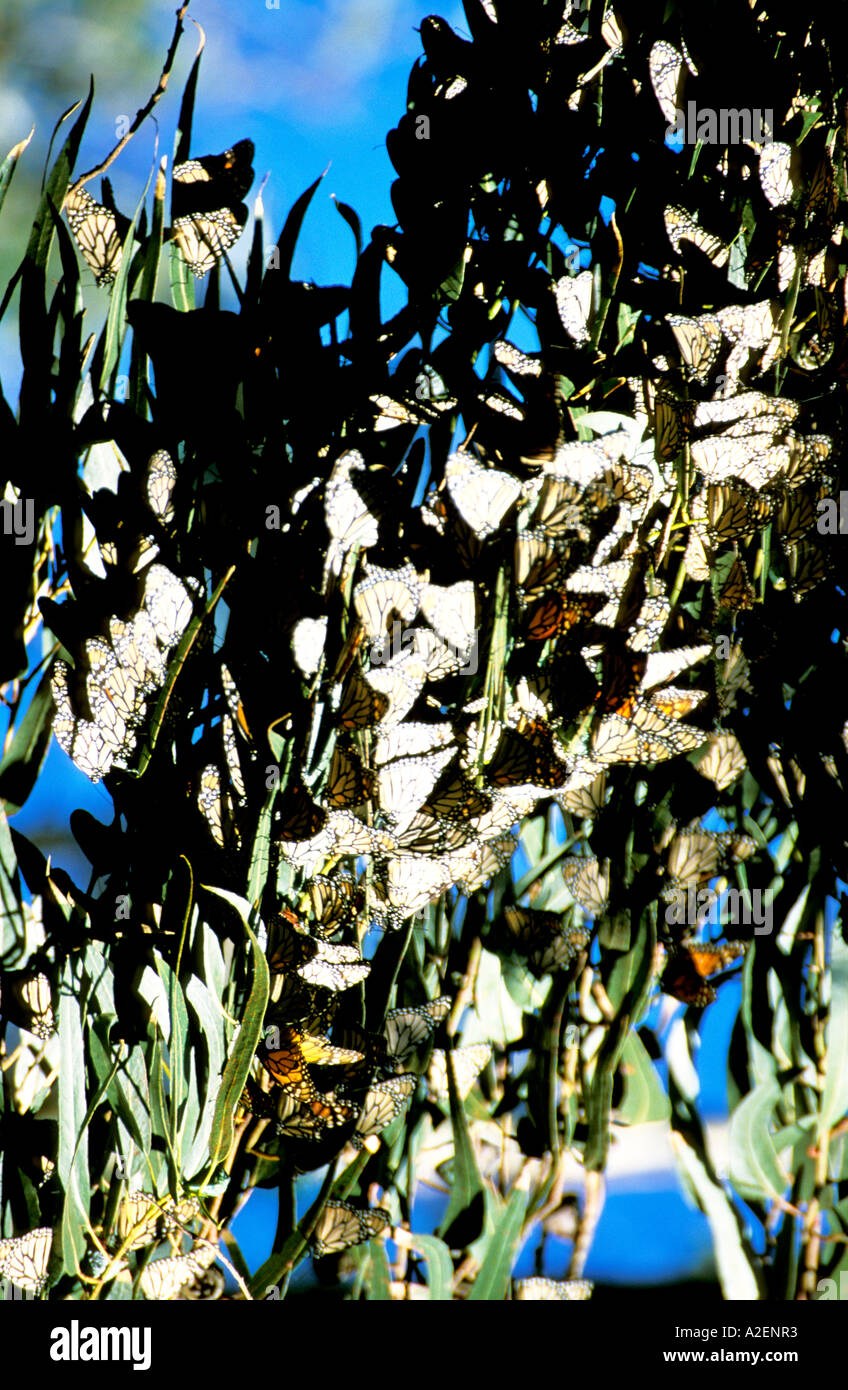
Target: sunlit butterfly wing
[574, 304]
[91, 746]
[724, 760]
[208, 217]
[384, 594]
[168, 605]
[360, 706]
[482, 496]
[340, 1225]
[587, 884]
[159, 482]
[96, 232]
[24, 1259]
[383, 1103]
[666, 68]
[407, 1028]
[550, 1290]
[33, 995]
[468, 1062]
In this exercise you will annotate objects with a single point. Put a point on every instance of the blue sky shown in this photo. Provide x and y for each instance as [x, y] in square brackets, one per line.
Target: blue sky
[311, 84]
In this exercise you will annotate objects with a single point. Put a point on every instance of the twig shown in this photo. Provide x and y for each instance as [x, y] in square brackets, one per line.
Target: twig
[142, 114]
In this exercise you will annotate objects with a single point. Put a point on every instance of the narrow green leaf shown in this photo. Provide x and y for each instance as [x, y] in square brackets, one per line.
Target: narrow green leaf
[379, 1289]
[10, 164]
[439, 1266]
[241, 1057]
[492, 1282]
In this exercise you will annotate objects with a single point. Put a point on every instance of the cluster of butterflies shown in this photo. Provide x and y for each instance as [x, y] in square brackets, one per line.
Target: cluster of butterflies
[324, 1077]
[102, 703]
[804, 202]
[207, 214]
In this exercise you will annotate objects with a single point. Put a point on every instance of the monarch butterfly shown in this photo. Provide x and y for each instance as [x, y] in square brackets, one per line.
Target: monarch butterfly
[648, 625]
[502, 404]
[208, 217]
[143, 1219]
[317, 962]
[159, 482]
[482, 496]
[699, 342]
[412, 739]
[384, 593]
[584, 793]
[138, 652]
[431, 835]
[451, 610]
[92, 746]
[163, 1279]
[537, 563]
[609, 579]
[348, 782]
[109, 687]
[695, 855]
[348, 519]
[228, 734]
[731, 511]
[723, 457]
[533, 928]
[809, 565]
[467, 1063]
[24, 1259]
[335, 967]
[563, 1290]
[405, 783]
[665, 66]
[680, 225]
[558, 613]
[412, 883]
[796, 516]
[288, 1063]
[340, 1225]
[673, 702]
[382, 1104]
[587, 884]
[685, 975]
[646, 737]
[335, 903]
[574, 304]
[723, 761]
[407, 1028]
[558, 508]
[775, 171]
[514, 361]
[473, 865]
[309, 1120]
[736, 592]
[298, 818]
[97, 234]
[33, 994]
[454, 798]
[217, 808]
[672, 423]
[518, 759]
[541, 937]
[168, 605]
[747, 405]
[360, 705]
[622, 673]
[667, 666]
